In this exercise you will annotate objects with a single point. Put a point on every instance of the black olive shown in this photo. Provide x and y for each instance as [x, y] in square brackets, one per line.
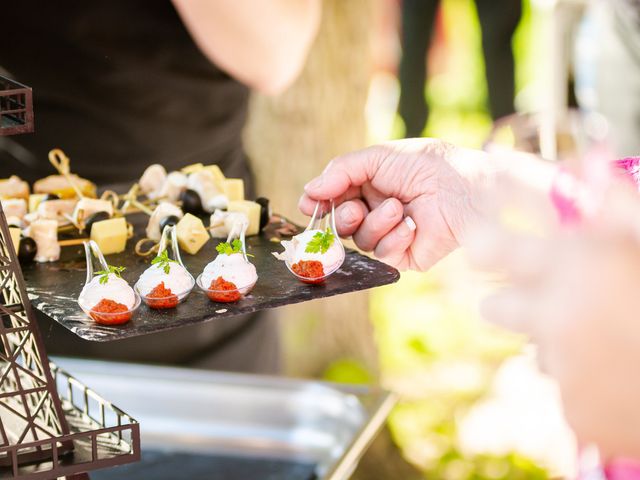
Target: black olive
[265, 211]
[27, 249]
[191, 202]
[50, 196]
[93, 218]
[166, 221]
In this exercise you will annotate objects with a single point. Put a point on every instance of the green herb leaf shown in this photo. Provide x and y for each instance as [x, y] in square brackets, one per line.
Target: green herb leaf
[104, 274]
[163, 261]
[226, 248]
[321, 242]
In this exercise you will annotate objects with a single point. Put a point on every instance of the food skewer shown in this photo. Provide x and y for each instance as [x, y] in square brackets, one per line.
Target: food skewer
[61, 163]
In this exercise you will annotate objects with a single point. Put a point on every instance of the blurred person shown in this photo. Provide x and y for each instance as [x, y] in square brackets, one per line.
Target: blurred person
[122, 84]
[608, 73]
[574, 293]
[498, 20]
[413, 201]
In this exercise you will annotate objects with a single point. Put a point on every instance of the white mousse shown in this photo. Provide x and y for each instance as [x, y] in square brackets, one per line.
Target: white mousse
[232, 268]
[178, 280]
[115, 289]
[295, 251]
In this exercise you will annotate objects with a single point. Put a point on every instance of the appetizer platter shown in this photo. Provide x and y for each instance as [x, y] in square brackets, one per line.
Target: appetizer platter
[173, 249]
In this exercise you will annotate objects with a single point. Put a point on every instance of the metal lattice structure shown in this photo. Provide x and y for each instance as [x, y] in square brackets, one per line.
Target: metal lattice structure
[30, 409]
[16, 107]
[44, 435]
[50, 423]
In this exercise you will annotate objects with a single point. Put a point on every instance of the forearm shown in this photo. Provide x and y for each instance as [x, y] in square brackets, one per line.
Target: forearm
[261, 43]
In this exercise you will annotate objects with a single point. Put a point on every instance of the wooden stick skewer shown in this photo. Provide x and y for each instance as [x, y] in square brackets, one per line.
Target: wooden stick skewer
[72, 242]
[60, 162]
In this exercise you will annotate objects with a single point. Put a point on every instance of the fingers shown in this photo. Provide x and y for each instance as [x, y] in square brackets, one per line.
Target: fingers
[378, 223]
[393, 248]
[307, 204]
[343, 173]
[522, 257]
[349, 217]
[512, 309]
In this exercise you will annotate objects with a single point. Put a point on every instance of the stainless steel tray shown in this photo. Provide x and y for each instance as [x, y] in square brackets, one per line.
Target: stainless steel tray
[182, 410]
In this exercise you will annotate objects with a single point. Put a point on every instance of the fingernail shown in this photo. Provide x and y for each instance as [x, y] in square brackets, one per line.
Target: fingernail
[314, 184]
[407, 229]
[347, 215]
[389, 208]
[410, 223]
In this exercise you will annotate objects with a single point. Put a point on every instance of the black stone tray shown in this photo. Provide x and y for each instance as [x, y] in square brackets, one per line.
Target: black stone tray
[53, 288]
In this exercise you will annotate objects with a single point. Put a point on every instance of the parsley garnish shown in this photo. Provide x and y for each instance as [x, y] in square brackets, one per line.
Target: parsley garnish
[163, 261]
[104, 274]
[320, 242]
[226, 248]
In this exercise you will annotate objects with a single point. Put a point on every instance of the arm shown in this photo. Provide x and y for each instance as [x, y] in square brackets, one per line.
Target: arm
[411, 201]
[263, 44]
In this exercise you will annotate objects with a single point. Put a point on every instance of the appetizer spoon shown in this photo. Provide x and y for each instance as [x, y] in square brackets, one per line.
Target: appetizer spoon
[169, 239]
[92, 251]
[242, 228]
[322, 220]
[229, 296]
[170, 234]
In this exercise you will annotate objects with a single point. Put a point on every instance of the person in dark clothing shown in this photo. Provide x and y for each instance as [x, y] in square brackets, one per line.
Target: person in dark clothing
[122, 84]
[498, 19]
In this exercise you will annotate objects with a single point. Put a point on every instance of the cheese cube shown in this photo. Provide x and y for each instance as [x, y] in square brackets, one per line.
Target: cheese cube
[191, 234]
[110, 235]
[196, 167]
[234, 189]
[217, 175]
[34, 201]
[15, 237]
[251, 209]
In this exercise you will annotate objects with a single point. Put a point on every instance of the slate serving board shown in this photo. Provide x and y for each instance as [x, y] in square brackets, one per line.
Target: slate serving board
[53, 288]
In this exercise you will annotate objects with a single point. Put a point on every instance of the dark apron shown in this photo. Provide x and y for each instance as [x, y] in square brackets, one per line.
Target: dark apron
[119, 85]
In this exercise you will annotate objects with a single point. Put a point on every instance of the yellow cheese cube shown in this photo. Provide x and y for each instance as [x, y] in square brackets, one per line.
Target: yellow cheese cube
[234, 189]
[34, 201]
[251, 209]
[15, 237]
[196, 167]
[110, 235]
[217, 175]
[191, 234]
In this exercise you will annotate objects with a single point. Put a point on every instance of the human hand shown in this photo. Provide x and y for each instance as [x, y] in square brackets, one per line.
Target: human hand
[575, 293]
[408, 201]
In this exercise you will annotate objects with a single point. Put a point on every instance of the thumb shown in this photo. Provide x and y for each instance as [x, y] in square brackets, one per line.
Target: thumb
[344, 172]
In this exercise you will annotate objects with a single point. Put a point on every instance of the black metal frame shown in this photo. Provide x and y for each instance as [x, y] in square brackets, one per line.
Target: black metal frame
[16, 107]
[43, 434]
